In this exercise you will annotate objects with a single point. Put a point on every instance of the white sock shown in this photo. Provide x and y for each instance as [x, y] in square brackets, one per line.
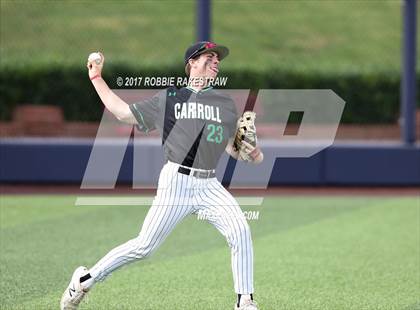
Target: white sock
[244, 299]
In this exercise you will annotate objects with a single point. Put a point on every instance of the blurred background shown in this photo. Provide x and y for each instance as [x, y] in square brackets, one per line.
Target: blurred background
[354, 48]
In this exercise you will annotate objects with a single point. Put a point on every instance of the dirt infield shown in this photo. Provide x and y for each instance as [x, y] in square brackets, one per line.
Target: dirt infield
[54, 189]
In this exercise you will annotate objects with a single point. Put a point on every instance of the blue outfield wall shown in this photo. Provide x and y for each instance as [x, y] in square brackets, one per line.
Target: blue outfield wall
[66, 160]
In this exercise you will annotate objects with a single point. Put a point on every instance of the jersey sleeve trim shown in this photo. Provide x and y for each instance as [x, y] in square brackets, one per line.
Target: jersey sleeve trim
[140, 119]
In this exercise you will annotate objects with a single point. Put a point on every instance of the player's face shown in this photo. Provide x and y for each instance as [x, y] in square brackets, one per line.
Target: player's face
[207, 65]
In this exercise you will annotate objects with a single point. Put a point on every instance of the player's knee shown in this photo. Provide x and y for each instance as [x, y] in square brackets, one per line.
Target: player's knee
[238, 233]
[142, 249]
[244, 230]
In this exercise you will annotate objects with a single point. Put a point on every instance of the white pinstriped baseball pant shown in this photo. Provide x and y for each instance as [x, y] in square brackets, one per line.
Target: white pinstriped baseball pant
[179, 195]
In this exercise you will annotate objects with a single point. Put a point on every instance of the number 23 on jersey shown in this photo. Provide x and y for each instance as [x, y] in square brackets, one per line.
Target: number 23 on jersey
[215, 133]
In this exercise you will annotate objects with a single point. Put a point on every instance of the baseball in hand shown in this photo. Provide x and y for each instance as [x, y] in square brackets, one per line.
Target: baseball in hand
[96, 57]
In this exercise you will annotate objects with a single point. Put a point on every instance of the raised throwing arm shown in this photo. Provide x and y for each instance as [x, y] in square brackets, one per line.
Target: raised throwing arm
[118, 107]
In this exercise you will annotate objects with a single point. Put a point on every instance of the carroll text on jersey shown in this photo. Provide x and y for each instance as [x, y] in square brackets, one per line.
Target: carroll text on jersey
[193, 110]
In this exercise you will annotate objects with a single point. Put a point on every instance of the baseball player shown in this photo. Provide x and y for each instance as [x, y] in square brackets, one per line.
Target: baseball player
[197, 124]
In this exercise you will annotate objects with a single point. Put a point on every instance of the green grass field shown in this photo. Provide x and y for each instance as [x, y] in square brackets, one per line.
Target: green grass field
[310, 253]
[320, 36]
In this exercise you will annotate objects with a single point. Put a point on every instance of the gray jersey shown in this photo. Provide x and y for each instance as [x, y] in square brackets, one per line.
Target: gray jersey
[195, 126]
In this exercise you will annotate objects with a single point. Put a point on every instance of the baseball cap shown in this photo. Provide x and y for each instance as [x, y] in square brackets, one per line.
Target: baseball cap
[203, 47]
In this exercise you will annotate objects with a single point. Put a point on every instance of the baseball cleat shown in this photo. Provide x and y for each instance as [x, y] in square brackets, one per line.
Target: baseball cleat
[248, 305]
[74, 293]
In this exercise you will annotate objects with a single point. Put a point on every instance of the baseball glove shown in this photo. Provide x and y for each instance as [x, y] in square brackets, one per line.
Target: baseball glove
[246, 137]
